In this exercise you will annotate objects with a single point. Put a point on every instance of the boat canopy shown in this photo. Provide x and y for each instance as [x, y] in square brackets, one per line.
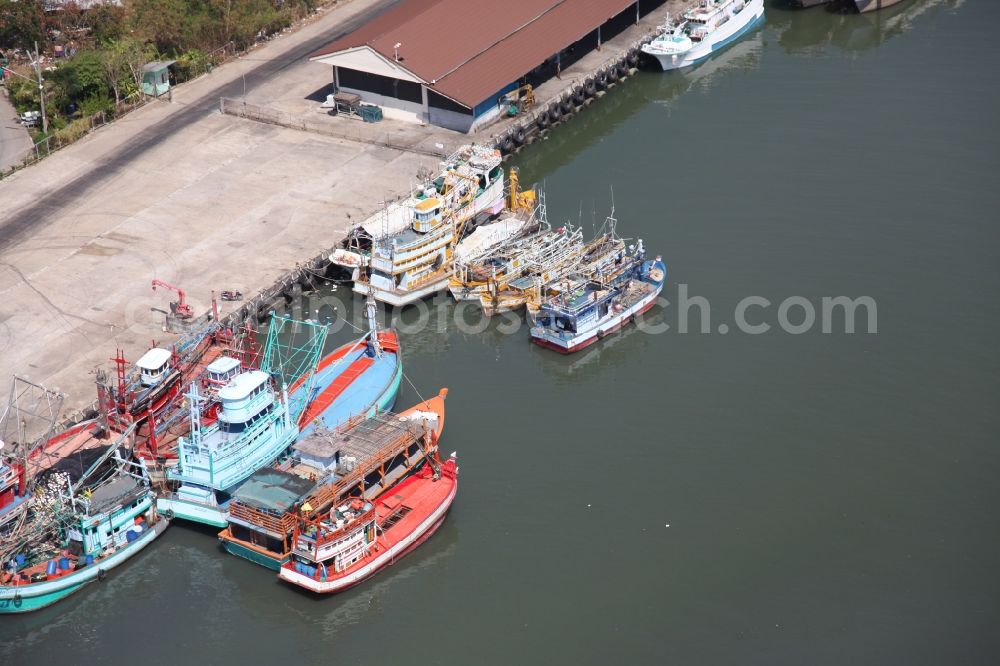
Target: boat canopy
[222, 369]
[243, 384]
[272, 490]
[154, 359]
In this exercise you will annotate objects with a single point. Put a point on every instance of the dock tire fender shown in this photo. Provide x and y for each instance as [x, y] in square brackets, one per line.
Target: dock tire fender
[578, 95]
[622, 70]
[555, 111]
[543, 120]
[519, 136]
[567, 105]
[633, 57]
[601, 80]
[101, 574]
[589, 88]
[507, 145]
[611, 75]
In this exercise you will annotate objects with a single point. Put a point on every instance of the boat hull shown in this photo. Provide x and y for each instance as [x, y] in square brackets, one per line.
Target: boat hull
[196, 512]
[34, 596]
[400, 298]
[719, 40]
[265, 560]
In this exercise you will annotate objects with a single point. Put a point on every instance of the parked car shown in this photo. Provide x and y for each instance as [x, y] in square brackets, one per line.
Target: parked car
[31, 118]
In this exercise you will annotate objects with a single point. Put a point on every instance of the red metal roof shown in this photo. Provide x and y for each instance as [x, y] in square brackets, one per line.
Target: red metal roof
[470, 49]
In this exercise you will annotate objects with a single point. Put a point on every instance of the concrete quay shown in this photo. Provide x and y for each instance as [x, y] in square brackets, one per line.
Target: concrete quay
[181, 193]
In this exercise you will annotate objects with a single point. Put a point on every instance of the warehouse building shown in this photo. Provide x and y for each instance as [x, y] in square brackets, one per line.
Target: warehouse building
[448, 62]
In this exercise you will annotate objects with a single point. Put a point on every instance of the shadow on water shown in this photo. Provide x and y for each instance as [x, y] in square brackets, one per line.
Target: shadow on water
[598, 120]
[811, 31]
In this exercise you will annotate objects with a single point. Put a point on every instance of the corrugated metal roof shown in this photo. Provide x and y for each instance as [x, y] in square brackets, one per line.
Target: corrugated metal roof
[469, 49]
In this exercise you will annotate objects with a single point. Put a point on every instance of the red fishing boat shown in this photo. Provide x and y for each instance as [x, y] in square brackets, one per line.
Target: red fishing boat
[358, 538]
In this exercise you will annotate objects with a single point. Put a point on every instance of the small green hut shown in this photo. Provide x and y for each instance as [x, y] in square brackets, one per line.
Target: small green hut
[156, 77]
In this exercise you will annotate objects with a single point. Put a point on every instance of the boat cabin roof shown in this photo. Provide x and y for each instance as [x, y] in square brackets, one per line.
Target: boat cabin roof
[243, 385]
[272, 489]
[222, 365]
[427, 204]
[573, 302]
[112, 493]
[154, 359]
[361, 440]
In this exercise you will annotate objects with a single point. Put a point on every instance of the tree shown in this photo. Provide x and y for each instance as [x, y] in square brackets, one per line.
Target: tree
[22, 23]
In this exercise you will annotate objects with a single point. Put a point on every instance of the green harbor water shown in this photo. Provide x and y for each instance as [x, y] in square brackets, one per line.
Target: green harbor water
[831, 498]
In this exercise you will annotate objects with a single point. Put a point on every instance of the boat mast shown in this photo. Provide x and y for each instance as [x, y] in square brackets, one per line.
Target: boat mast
[371, 311]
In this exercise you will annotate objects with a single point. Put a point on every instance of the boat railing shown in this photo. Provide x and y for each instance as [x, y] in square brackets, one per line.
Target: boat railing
[266, 520]
[326, 534]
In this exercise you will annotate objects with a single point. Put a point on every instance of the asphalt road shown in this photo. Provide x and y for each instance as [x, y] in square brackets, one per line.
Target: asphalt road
[24, 221]
[14, 139]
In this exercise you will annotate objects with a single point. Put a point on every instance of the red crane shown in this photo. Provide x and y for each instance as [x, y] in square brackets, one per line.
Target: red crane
[180, 308]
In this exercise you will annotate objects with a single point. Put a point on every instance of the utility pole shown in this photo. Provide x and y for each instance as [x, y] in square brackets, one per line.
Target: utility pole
[41, 89]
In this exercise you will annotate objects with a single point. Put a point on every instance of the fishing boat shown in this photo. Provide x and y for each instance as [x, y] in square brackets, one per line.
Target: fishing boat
[150, 392]
[604, 259]
[97, 524]
[336, 549]
[506, 260]
[255, 425]
[404, 252]
[586, 312]
[704, 30]
[363, 457]
[556, 260]
[360, 378]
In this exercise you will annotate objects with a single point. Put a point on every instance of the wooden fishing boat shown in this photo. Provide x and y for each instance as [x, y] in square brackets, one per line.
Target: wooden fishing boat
[357, 538]
[362, 458]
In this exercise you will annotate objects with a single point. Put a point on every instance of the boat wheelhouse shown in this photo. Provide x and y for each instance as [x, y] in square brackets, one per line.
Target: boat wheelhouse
[254, 427]
[581, 315]
[362, 458]
[705, 29]
[221, 371]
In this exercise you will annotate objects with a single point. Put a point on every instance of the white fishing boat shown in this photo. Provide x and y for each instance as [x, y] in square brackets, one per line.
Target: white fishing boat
[404, 252]
[704, 30]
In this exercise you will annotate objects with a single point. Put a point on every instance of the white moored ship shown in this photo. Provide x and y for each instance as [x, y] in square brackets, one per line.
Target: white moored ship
[410, 244]
[704, 30]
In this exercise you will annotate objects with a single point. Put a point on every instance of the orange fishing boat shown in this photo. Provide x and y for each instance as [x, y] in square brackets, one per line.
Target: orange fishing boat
[358, 538]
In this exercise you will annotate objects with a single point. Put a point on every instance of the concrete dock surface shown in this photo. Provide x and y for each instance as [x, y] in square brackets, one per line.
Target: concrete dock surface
[179, 192]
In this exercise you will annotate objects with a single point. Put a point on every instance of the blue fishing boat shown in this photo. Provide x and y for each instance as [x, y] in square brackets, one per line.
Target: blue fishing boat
[583, 312]
[360, 378]
[256, 425]
[96, 524]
